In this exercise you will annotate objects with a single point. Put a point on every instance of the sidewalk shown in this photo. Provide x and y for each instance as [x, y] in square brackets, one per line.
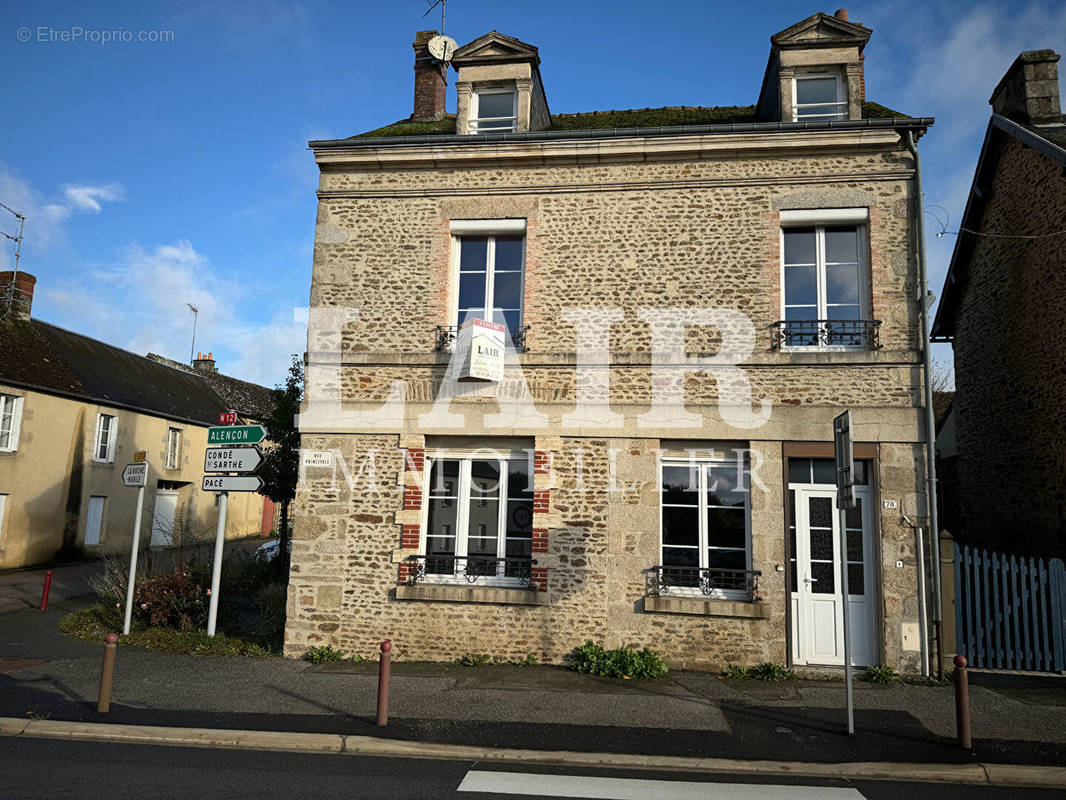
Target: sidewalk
[21, 588]
[43, 674]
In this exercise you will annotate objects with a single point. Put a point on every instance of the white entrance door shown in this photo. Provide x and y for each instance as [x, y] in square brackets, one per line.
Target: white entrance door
[166, 503]
[94, 517]
[817, 609]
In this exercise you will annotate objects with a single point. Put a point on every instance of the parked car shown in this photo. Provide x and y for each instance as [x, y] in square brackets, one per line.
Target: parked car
[268, 551]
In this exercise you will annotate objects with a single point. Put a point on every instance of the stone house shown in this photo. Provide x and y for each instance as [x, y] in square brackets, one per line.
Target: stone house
[1003, 303]
[689, 296]
[73, 410]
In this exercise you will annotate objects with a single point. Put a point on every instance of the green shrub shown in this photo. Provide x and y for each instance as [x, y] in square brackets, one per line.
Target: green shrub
[324, 655]
[529, 661]
[622, 662]
[475, 659]
[771, 672]
[734, 672]
[881, 673]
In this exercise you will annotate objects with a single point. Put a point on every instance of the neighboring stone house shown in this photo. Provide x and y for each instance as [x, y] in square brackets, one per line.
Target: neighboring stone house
[73, 411]
[615, 485]
[1003, 309]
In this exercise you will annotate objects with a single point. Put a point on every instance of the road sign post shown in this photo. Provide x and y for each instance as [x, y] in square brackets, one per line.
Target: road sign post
[135, 474]
[844, 451]
[216, 567]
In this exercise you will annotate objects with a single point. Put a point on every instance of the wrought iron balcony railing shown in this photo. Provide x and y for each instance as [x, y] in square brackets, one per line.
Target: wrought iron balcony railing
[444, 338]
[855, 333]
[471, 568]
[664, 579]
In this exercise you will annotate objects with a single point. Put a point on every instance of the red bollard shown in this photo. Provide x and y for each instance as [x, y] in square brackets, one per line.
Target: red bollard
[383, 683]
[46, 590]
[962, 702]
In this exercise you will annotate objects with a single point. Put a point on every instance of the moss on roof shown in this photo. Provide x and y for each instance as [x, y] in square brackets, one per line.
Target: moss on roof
[606, 120]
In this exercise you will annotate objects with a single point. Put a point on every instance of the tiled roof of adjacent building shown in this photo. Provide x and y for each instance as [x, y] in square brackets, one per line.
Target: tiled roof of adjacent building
[39, 356]
[247, 399]
[609, 120]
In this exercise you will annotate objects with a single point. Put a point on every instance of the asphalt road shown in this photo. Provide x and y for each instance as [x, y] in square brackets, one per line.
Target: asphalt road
[48, 768]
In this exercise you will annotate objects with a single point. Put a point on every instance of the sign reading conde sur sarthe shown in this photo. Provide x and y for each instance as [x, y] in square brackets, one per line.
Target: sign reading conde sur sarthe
[232, 459]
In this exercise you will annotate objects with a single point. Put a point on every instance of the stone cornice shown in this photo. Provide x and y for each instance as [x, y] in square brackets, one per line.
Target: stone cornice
[605, 150]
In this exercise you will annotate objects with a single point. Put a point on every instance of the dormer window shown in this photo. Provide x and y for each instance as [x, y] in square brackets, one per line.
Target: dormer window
[819, 97]
[494, 111]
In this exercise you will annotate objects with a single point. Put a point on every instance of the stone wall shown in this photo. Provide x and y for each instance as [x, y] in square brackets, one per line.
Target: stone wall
[1009, 355]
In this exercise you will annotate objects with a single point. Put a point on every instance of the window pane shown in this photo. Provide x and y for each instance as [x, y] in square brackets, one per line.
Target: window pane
[820, 511]
[496, 125]
[497, 105]
[801, 286]
[855, 546]
[842, 245]
[799, 245]
[816, 90]
[827, 112]
[799, 471]
[841, 283]
[844, 312]
[471, 290]
[519, 480]
[822, 572]
[680, 485]
[473, 253]
[856, 585]
[444, 479]
[507, 290]
[853, 514]
[862, 473]
[508, 253]
[726, 527]
[825, 471]
[484, 479]
[681, 526]
[441, 522]
[681, 557]
[792, 535]
[722, 486]
[727, 559]
[511, 319]
[519, 519]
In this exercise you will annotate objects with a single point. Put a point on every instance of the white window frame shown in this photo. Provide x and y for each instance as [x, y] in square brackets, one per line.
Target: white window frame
[11, 415]
[462, 510]
[841, 102]
[820, 219]
[100, 523]
[475, 120]
[173, 456]
[490, 228]
[699, 465]
[3, 509]
[112, 430]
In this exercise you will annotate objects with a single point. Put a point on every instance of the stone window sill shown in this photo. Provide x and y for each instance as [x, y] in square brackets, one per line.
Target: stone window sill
[706, 607]
[471, 594]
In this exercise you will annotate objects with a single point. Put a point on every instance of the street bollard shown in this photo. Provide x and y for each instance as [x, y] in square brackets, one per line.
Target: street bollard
[383, 683]
[962, 702]
[46, 590]
[103, 705]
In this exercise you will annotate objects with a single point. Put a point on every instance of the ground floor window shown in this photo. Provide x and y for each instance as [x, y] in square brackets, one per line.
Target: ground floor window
[706, 525]
[478, 518]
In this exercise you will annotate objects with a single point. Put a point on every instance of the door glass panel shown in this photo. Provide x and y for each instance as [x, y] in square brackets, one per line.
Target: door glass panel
[822, 572]
[792, 533]
[853, 515]
[856, 585]
[855, 545]
[821, 545]
[820, 512]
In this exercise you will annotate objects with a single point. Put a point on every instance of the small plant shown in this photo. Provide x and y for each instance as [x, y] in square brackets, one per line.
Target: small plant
[622, 662]
[173, 600]
[734, 672]
[772, 673]
[324, 655]
[475, 659]
[881, 673]
[529, 661]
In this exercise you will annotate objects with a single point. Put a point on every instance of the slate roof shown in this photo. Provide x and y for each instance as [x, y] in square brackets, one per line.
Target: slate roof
[608, 120]
[42, 357]
[247, 399]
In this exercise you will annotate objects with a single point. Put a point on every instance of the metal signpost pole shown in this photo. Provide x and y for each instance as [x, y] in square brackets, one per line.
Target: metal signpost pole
[845, 464]
[133, 561]
[216, 568]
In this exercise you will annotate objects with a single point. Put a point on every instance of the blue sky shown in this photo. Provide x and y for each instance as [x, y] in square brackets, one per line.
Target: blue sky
[155, 174]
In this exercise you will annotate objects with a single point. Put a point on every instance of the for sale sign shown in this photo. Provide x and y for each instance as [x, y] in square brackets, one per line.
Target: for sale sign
[479, 348]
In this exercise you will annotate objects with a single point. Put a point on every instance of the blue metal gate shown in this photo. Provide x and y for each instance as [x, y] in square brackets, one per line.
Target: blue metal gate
[1010, 612]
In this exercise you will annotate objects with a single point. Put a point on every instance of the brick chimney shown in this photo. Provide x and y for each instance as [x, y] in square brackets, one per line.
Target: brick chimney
[431, 81]
[204, 363]
[16, 294]
[1029, 92]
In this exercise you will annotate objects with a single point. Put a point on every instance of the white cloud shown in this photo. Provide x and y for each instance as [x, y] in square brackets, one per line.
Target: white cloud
[87, 198]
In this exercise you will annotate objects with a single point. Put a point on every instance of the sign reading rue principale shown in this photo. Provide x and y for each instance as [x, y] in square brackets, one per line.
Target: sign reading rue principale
[232, 459]
[236, 434]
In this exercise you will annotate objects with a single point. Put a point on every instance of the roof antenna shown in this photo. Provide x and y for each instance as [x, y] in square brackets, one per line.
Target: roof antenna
[18, 251]
[195, 313]
[432, 5]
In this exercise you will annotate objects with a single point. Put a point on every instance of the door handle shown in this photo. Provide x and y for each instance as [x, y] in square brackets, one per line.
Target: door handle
[810, 580]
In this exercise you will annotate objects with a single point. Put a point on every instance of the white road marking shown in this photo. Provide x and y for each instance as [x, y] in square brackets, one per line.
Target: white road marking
[531, 783]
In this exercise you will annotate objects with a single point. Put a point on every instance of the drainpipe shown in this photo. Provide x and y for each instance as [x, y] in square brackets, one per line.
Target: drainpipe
[930, 423]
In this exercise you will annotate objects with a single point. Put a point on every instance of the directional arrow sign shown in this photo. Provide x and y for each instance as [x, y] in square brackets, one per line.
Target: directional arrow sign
[135, 474]
[236, 434]
[232, 483]
[232, 459]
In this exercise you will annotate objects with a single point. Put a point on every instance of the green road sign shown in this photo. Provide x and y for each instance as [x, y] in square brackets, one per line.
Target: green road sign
[236, 434]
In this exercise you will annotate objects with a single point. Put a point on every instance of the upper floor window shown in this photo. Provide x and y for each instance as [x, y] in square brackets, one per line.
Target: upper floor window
[494, 111]
[819, 97]
[173, 448]
[104, 447]
[10, 422]
[825, 281]
[491, 273]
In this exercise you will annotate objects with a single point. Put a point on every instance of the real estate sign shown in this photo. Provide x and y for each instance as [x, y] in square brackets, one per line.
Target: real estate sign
[479, 348]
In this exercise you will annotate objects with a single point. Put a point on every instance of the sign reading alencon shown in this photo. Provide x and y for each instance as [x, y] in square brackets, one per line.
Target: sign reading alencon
[236, 434]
